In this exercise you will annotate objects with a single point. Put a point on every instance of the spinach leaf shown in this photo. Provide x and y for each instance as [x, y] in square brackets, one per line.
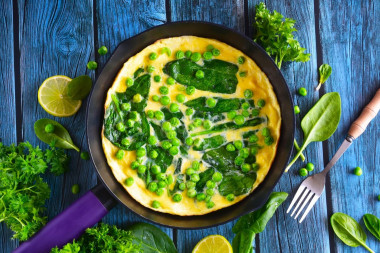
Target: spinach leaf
[231, 125]
[242, 242]
[60, 136]
[372, 223]
[151, 239]
[257, 220]
[221, 159]
[203, 178]
[220, 76]
[320, 122]
[168, 114]
[164, 159]
[213, 117]
[349, 230]
[222, 104]
[159, 131]
[79, 87]
[182, 132]
[179, 180]
[324, 74]
[178, 166]
[141, 86]
[138, 72]
[237, 183]
[212, 142]
[246, 135]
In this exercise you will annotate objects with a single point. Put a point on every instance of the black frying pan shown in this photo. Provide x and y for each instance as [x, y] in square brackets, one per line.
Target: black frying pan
[90, 208]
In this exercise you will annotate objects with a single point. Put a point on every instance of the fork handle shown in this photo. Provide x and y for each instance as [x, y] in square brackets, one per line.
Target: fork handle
[369, 112]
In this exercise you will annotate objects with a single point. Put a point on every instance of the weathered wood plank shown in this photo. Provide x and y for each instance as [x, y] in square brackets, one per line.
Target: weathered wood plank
[117, 21]
[351, 45]
[231, 14]
[8, 133]
[283, 234]
[56, 39]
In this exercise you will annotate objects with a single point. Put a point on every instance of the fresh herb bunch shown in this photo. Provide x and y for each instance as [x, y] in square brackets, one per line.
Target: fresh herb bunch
[275, 35]
[22, 191]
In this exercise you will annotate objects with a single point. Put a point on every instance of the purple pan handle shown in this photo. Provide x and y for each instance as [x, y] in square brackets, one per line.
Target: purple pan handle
[71, 223]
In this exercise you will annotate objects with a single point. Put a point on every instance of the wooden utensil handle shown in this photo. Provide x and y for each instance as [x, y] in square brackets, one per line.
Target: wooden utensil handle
[369, 112]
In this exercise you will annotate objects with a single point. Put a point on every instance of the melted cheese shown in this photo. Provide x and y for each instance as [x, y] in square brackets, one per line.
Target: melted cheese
[255, 80]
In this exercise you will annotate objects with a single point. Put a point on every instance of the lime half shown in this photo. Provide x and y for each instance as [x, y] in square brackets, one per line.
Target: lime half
[52, 96]
[213, 244]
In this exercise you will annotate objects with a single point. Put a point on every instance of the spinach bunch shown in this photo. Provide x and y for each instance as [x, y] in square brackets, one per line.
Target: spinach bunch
[253, 223]
[22, 190]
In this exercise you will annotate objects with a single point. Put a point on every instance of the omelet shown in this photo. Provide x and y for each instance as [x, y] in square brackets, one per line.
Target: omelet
[191, 126]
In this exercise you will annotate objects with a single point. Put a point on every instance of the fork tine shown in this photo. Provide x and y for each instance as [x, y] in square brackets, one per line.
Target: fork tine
[304, 204]
[300, 201]
[312, 202]
[298, 193]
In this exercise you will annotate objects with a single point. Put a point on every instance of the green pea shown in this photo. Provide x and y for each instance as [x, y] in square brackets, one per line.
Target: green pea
[120, 154]
[245, 167]
[194, 177]
[174, 107]
[176, 142]
[210, 204]
[261, 103]
[164, 90]
[265, 132]
[166, 144]
[190, 171]
[179, 54]
[217, 177]
[120, 127]
[137, 98]
[152, 140]
[160, 176]
[302, 172]
[238, 144]
[255, 112]
[189, 111]
[135, 165]
[189, 141]
[129, 181]
[245, 105]
[85, 156]
[75, 189]
[155, 168]
[210, 192]
[231, 115]
[201, 196]
[157, 78]
[358, 171]
[129, 82]
[245, 113]
[150, 114]
[155, 98]
[188, 54]
[167, 126]
[244, 152]
[230, 147]
[102, 50]
[243, 73]
[152, 186]
[140, 152]
[191, 193]
[150, 69]
[207, 55]
[182, 186]
[177, 197]
[133, 115]
[126, 107]
[239, 160]
[268, 140]
[160, 191]
[215, 52]
[156, 204]
[92, 65]
[197, 142]
[253, 138]
[191, 127]
[211, 102]
[180, 98]
[255, 166]
[209, 47]
[161, 184]
[230, 197]
[165, 100]
[166, 50]
[159, 115]
[153, 56]
[153, 154]
[297, 109]
[239, 120]
[170, 81]
[208, 199]
[248, 93]
[173, 151]
[210, 184]
[199, 74]
[302, 91]
[378, 197]
[195, 57]
[254, 150]
[141, 169]
[241, 59]
[190, 90]
[195, 165]
[309, 167]
[207, 124]
[49, 128]
[171, 134]
[174, 121]
[190, 184]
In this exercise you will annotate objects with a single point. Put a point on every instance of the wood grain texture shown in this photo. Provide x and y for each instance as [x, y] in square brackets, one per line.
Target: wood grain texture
[351, 45]
[283, 233]
[117, 21]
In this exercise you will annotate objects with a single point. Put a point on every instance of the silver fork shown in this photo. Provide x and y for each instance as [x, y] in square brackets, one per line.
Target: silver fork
[312, 187]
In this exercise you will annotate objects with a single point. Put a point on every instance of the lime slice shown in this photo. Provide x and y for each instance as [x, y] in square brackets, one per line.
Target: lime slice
[213, 244]
[52, 97]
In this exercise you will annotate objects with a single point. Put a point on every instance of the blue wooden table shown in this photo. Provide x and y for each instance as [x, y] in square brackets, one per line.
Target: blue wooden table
[41, 38]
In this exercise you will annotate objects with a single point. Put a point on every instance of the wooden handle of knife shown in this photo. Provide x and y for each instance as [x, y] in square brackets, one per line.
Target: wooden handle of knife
[369, 112]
